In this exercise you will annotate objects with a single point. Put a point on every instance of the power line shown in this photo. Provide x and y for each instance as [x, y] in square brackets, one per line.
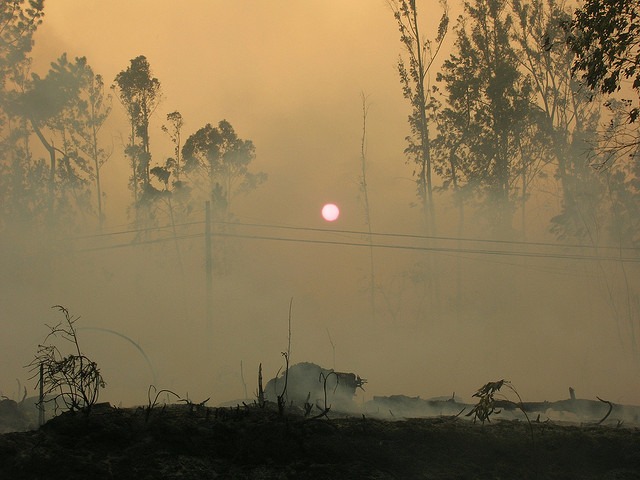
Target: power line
[363, 233]
[439, 249]
[475, 251]
[135, 230]
[427, 237]
[141, 242]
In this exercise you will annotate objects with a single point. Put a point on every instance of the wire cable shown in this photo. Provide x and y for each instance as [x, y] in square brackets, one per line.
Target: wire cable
[475, 251]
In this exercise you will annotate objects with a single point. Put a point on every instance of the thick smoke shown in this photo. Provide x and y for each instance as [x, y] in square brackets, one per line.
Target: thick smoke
[449, 315]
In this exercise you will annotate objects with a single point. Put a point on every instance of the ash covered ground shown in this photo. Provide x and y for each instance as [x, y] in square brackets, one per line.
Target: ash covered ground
[396, 437]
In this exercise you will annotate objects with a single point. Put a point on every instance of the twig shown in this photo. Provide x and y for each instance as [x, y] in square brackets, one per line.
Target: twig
[610, 408]
[151, 405]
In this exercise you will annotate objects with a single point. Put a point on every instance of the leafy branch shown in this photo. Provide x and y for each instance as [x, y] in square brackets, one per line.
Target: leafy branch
[487, 403]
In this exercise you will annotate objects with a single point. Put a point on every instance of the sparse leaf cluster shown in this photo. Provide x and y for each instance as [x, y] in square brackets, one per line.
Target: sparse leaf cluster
[486, 405]
[605, 37]
[72, 379]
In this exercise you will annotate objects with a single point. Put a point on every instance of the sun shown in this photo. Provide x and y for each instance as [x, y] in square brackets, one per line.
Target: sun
[330, 212]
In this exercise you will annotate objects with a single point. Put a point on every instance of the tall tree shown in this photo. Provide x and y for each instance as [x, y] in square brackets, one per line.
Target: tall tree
[563, 115]
[173, 190]
[217, 157]
[174, 131]
[19, 19]
[50, 105]
[140, 94]
[177, 191]
[364, 189]
[414, 77]
[605, 37]
[94, 107]
[489, 100]
[455, 123]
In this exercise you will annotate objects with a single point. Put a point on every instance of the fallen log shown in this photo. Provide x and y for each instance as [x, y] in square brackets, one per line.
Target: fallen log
[578, 409]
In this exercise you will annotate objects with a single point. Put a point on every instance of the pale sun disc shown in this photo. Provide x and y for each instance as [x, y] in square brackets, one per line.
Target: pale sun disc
[330, 212]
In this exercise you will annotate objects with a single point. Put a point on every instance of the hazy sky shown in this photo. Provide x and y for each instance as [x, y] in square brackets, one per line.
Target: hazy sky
[289, 75]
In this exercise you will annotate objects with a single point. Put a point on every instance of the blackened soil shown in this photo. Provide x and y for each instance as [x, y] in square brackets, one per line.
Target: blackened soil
[181, 442]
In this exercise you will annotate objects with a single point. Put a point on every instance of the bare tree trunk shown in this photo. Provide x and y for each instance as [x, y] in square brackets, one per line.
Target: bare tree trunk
[367, 210]
[97, 166]
[414, 78]
[52, 167]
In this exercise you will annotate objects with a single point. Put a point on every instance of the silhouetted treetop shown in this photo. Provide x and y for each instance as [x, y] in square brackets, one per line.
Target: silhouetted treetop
[605, 37]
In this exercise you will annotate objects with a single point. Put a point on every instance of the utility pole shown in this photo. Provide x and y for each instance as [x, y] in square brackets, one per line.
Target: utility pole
[209, 269]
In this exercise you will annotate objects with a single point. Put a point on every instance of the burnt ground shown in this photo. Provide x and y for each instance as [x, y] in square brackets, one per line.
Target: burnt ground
[249, 442]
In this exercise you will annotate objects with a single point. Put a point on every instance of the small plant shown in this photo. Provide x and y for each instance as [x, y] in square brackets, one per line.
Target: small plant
[487, 405]
[73, 379]
[282, 398]
[154, 403]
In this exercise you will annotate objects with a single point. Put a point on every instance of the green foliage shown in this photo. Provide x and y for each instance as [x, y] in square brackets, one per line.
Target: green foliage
[605, 37]
[489, 109]
[48, 97]
[139, 93]
[513, 116]
[219, 158]
[174, 131]
[19, 20]
[623, 184]
[73, 379]
[65, 110]
[93, 109]
[414, 80]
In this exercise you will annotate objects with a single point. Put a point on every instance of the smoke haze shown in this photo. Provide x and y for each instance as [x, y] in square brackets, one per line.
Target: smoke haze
[289, 77]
